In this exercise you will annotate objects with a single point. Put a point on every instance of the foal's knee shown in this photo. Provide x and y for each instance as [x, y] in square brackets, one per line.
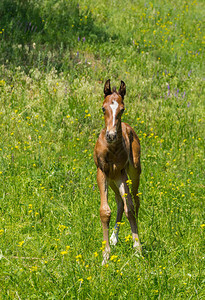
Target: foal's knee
[105, 214]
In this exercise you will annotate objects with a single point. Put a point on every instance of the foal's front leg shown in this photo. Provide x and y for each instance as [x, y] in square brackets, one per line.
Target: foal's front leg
[105, 212]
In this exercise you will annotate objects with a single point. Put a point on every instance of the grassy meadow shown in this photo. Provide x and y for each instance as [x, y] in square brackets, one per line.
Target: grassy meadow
[54, 59]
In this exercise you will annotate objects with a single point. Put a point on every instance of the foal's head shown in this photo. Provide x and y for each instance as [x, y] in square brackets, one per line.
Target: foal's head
[113, 107]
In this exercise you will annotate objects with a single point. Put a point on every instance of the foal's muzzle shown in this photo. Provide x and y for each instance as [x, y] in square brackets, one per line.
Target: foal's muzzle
[111, 136]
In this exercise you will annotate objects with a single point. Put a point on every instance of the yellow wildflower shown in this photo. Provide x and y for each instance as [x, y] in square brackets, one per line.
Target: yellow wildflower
[128, 238]
[21, 243]
[129, 182]
[33, 269]
[114, 258]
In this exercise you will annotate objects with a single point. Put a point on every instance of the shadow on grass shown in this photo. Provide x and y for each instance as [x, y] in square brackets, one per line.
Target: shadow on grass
[43, 25]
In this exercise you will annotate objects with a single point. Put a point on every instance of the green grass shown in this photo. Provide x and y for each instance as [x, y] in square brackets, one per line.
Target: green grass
[51, 91]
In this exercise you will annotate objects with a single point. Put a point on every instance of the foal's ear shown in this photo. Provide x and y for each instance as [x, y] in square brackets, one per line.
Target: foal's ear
[122, 90]
[107, 88]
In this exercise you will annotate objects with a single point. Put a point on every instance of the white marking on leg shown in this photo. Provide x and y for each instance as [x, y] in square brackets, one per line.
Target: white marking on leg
[124, 196]
[114, 236]
[113, 239]
[114, 107]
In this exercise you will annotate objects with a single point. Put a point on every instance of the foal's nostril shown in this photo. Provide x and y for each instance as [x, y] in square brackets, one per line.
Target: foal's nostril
[111, 136]
[114, 136]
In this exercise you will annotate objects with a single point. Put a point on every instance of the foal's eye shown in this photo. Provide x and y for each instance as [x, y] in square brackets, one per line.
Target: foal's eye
[103, 109]
[122, 110]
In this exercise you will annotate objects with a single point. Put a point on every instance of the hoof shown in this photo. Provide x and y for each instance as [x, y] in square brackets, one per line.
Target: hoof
[137, 247]
[105, 259]
[106, 256]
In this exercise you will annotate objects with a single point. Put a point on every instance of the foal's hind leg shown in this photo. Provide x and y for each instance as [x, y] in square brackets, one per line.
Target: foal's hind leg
[134, 174]
[129, 208]
[120, 209]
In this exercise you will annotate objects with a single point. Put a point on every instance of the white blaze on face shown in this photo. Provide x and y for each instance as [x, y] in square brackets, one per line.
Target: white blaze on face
[114, 107]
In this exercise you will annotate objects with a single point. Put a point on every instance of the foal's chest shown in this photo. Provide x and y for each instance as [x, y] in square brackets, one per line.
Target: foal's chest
[115, 163]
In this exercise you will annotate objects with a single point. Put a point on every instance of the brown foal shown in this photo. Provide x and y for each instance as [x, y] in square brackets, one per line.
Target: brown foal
[117, 156]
